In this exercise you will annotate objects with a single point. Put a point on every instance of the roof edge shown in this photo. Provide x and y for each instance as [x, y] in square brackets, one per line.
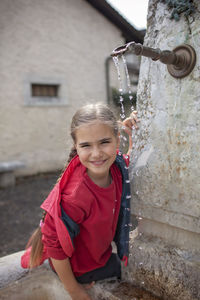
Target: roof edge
[128, 31]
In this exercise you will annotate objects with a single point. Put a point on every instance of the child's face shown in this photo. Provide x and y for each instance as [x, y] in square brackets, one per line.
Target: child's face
[96, 146]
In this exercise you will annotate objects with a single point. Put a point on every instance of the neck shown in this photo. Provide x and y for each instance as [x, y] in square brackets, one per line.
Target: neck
[104, 181]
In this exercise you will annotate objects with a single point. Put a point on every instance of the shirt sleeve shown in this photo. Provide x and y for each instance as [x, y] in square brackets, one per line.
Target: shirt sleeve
[50, 239]
[77, 205]
[74, 209]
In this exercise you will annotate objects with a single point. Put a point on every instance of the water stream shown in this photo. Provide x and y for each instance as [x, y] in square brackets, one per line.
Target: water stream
[127, 85]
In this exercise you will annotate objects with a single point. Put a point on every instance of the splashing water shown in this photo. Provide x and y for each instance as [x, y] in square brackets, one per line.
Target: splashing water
[128, 82]
[121, 99]
[122, 114]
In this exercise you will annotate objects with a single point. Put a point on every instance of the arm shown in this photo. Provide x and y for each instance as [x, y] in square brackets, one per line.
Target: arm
[64, 271]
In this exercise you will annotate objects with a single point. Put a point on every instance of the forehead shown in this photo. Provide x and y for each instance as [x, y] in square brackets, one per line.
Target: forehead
[94, 131]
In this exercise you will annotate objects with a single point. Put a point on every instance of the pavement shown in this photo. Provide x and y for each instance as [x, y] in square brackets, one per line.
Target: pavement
[20, 210]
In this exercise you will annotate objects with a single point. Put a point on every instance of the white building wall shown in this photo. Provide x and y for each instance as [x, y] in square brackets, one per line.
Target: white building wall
[62, 41]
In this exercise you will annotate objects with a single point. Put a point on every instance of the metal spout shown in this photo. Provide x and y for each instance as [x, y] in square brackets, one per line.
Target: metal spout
[180, 61]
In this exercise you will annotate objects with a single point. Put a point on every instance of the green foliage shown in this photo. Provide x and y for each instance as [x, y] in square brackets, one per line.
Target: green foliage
[126, 98]
[180, 6]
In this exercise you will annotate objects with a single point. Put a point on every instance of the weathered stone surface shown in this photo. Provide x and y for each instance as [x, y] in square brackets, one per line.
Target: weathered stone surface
[42, 283]
[165, 168]
[165, 154]
[169, 272]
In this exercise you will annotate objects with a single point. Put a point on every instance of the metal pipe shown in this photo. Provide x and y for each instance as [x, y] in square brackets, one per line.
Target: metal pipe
[180, 61]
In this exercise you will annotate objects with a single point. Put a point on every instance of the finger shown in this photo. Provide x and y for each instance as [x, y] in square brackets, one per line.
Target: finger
[129, 123]
[133, 123]
[89, 285]
[133, 115]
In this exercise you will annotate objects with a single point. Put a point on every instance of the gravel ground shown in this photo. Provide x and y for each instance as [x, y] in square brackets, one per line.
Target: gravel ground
[20, 210]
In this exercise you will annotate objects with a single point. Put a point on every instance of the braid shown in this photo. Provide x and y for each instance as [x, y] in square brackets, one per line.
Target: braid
[72, 154]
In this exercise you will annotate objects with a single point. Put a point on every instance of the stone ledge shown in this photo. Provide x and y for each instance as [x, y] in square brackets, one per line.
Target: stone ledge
[41, 283]
[7, 176]
[168, 272]
[8, 166]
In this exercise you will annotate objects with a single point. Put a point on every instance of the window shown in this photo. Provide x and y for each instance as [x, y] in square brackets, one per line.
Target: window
[45, 92]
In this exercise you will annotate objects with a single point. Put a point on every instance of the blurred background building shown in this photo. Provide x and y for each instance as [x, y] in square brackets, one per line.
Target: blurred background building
[54, 58]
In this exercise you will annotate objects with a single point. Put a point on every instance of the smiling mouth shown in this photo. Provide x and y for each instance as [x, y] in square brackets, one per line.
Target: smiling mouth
[98, 162]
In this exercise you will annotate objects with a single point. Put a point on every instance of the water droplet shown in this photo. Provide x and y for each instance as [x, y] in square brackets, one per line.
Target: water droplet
[142, 282]
[141, 263]
[139, 218]
[137, 173]
[140, 248]
[137, 192]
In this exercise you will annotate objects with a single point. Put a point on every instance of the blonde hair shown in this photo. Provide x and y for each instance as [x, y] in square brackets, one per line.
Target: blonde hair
[93, 112]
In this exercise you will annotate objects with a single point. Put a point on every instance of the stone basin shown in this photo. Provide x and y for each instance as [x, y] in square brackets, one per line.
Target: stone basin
[43, 284]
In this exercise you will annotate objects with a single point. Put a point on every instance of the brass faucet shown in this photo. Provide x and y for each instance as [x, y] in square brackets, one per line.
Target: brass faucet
[180, 61]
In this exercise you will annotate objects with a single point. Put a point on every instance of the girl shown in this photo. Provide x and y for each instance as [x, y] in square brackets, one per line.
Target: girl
[89, 206]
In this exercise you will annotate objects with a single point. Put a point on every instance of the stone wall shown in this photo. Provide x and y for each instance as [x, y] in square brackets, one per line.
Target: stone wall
[165, 168]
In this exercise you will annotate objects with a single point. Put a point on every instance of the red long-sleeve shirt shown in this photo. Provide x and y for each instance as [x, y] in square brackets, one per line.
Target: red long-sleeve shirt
[96, 210]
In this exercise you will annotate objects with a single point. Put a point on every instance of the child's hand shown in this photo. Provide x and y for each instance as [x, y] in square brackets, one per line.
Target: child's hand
[80, 292]
[131, 122]
[127, 125]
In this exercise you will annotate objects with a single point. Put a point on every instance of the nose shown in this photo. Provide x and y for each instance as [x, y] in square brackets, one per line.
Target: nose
[96, 152]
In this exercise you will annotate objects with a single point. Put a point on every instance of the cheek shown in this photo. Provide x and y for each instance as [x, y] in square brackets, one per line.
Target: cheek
[112, 150]
[82, 153]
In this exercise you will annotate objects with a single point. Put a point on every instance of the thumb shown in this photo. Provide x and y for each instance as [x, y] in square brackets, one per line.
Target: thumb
[89, 285]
